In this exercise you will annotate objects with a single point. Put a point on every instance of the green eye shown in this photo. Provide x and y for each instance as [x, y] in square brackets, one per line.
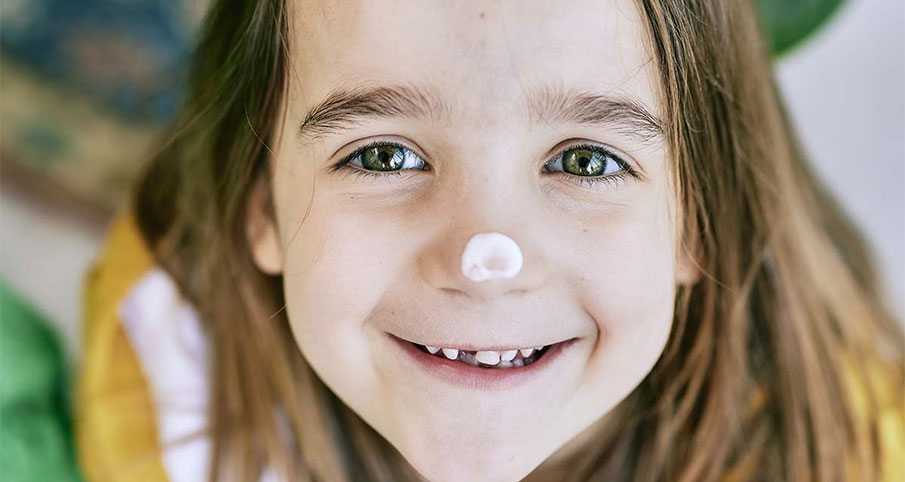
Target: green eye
[587, 162]
[385, 157]
[592, 165]
[379, 160]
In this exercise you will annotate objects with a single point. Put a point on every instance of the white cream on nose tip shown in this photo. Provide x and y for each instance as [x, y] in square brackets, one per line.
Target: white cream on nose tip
[491, 255]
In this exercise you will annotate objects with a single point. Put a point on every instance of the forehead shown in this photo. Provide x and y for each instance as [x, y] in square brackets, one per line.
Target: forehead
[477, 56]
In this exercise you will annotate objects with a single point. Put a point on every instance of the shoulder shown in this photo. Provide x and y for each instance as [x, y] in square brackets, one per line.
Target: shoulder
[874, 387]
[142, 379]
[112, 446]
[143, 386]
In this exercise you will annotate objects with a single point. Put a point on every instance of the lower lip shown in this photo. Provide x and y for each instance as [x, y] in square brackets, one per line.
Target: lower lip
[463, 375]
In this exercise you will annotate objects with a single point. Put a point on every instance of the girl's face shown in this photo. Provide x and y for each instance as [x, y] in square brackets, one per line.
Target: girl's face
[520, 117]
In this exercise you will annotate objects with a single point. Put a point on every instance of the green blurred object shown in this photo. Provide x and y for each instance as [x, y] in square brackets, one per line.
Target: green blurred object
[35, 430]
[787, 22]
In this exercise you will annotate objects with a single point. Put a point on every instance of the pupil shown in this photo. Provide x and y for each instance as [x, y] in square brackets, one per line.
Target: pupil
[382, 158]
[584, 162]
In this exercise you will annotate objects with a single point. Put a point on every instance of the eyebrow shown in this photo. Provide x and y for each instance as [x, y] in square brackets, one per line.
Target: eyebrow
[623, 113]
[344, 108]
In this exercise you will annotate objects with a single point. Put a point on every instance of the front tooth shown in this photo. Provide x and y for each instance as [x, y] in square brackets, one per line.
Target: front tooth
[508, 355]
[451, 353]
[526, 352]
[432, 349]
[488, 357]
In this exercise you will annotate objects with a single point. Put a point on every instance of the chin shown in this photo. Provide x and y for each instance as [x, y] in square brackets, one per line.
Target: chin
[476, 453]
[470, 465]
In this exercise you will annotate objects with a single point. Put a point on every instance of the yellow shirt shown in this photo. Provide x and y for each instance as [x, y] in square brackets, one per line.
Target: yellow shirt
[116, 429]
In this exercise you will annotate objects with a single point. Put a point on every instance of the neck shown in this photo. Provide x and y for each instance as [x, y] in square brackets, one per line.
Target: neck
[553, 468]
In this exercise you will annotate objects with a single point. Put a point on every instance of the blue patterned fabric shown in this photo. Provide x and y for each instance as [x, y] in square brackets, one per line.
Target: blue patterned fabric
[130, 55]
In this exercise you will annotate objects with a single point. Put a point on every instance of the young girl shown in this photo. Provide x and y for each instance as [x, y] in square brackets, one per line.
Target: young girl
[493, 241]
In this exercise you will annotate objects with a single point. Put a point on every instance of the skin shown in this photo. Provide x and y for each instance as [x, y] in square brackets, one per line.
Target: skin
[362, 257]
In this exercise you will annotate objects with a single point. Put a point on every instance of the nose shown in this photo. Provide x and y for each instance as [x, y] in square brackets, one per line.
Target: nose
[484, 264]
[491, 255]
[489, 244]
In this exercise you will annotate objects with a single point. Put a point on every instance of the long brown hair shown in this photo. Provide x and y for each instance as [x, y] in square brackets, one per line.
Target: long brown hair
[760, 364]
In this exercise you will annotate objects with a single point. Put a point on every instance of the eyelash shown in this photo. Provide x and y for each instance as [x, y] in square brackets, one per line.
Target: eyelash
[624, 173]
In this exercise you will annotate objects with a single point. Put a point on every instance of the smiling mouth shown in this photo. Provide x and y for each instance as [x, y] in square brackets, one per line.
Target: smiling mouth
[517, 358]
[490, 359]
[486, 369]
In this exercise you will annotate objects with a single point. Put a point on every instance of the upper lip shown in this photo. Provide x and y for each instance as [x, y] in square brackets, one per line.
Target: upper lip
[475, 347]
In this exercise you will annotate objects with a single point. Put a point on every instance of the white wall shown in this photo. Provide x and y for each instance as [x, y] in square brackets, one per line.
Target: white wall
[845, 89]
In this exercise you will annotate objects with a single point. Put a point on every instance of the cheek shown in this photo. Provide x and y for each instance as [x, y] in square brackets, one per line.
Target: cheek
[629, 290]
[337, 268]
[325, 275]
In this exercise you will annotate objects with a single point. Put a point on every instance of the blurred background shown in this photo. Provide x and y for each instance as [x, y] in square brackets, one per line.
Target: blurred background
[86, 84]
